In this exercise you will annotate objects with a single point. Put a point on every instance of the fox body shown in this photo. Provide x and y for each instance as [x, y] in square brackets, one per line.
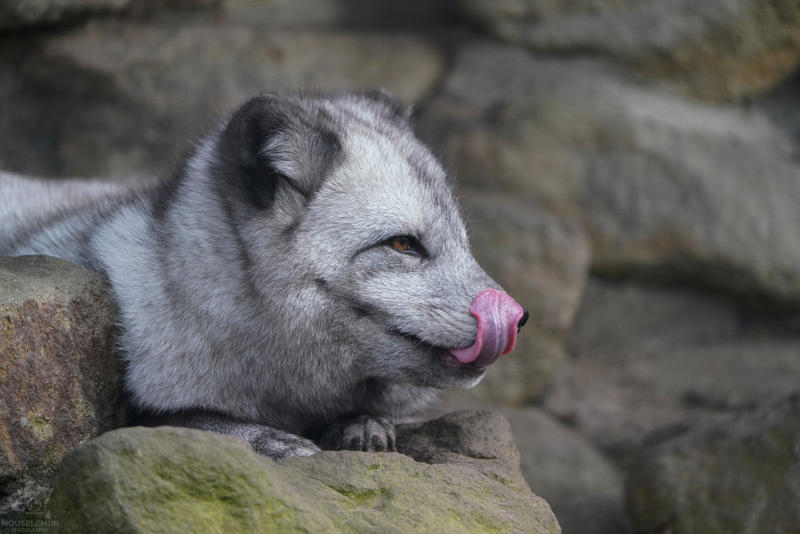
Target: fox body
[305, 273]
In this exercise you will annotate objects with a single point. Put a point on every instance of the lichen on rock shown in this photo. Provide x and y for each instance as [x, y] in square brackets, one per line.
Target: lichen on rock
[171, 479]
[60, 380]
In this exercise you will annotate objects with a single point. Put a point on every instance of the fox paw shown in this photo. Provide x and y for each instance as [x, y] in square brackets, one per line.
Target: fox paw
[361, 433]
[278, 444]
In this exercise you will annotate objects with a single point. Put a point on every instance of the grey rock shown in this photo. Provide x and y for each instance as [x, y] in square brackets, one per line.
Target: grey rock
[60, 380]
[464, 437]
[738, 476]
[782, 105]
[619, 316]
[649, 363]
[410, 14]
[284, 13]
[584, 489]
[170, 480]
[16, 14]
[122, 98]
[718, 49]
[664, 187]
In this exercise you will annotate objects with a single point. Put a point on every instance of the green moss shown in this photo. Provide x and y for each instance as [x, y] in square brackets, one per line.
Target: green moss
[364, 498]
[41, 428]
[180, 480]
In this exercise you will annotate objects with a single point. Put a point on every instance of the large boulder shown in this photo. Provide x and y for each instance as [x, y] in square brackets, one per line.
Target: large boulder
[121, 98]
[409, 14]
[717, 49]
[648, 363]
[664, 187]
[17, 14]
[782, 105]
[176, 480]
[60, 380]
[584, 489]
[738, 476]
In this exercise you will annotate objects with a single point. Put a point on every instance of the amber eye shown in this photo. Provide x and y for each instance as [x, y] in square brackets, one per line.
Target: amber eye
[401, 244]
[407, 244]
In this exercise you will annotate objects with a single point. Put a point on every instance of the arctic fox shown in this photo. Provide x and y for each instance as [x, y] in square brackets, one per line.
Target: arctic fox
[305, 279]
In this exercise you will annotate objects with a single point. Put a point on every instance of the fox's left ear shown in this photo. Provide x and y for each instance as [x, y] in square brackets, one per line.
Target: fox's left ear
[273, 142]
[387, 105]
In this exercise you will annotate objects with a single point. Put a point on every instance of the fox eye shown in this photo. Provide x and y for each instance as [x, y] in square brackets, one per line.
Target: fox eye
[401, 243]
[407, 245]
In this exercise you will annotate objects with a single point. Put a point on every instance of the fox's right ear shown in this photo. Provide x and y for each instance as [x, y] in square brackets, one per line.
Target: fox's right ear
[391, 108]
[272, 141]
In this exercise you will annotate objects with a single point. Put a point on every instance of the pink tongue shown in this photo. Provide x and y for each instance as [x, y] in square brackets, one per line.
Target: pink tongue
[498, 315]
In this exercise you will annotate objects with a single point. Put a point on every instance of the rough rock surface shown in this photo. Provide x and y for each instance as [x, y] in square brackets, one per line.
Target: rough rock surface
[542, 259]
[716, 49]
[59, 378]
[738, 476]
[583, 488]
[680, 359]
[584, 146]
[173, 480]
[15, 14]
[121, 98]
[589, 142]
[359, 14]
[781, 106]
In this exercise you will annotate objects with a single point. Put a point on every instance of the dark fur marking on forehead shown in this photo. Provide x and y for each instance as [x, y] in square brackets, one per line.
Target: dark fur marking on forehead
[273, 141]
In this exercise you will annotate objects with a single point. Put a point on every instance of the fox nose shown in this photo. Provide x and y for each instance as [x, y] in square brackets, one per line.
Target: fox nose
[522, 321]
[499, 318]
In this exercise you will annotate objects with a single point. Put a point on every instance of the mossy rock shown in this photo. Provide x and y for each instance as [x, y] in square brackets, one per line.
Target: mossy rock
[60, 378]
[171, 479]
[739, 477]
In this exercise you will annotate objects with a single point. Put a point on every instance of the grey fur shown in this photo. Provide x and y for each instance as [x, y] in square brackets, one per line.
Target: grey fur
[263, 439]
[257, 282]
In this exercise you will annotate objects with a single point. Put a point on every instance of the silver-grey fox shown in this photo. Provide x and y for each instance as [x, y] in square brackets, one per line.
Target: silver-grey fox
[304, 278]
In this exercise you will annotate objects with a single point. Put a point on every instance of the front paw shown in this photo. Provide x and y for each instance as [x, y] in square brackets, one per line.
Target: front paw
[361, 433]
[277, 444]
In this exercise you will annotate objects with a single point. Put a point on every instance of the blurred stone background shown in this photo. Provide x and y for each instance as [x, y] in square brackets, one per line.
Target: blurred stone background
[629, 170]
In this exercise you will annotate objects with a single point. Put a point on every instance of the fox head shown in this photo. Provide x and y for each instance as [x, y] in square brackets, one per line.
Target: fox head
[356, 236]
[349, 285]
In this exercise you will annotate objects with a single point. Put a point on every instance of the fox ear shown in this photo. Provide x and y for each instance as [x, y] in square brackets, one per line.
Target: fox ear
[272, 141]
[387, 105]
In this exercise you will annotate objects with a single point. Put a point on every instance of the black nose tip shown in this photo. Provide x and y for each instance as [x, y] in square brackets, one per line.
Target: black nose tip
[523, 320]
